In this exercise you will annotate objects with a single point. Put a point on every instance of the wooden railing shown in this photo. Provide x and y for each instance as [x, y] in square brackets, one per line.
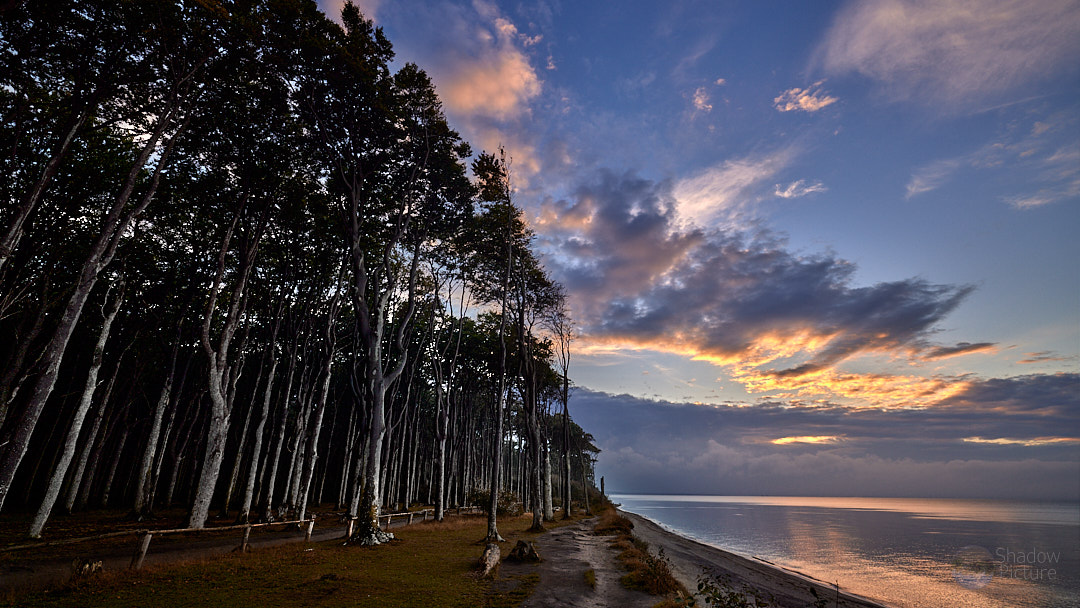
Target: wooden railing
[146, 535]
[409, 516]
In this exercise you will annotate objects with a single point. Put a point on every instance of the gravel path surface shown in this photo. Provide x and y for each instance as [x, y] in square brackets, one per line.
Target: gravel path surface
[567, 553]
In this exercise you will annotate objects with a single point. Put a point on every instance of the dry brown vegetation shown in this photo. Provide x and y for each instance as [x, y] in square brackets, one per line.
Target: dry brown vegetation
[428, 564]
[645, 572]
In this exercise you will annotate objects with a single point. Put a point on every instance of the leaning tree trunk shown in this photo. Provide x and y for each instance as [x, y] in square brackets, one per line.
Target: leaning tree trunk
[118, 220]
[219, 367]
[91, 451]
[142, 481]
[57, 479]
[260, 427]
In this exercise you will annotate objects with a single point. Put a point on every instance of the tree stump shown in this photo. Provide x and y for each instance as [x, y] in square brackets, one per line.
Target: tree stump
[524, 551]
[489, 561]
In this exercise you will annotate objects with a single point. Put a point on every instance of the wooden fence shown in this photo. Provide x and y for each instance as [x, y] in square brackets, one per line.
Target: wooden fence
[145, 536]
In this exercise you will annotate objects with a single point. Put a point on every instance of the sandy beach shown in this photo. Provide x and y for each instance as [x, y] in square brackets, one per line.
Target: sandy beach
[782, 587]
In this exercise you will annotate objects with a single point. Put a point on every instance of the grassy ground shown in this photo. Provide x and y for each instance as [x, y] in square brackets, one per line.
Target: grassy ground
[429, 564]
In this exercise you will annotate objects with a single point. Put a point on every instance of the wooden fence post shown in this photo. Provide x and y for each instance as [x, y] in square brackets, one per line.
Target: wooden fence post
[140, 552]
[310, 528]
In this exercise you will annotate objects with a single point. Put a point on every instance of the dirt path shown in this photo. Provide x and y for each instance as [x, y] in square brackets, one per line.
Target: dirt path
[568, 552]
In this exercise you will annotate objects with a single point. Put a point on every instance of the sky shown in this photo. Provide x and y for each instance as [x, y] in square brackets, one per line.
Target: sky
[811, 248]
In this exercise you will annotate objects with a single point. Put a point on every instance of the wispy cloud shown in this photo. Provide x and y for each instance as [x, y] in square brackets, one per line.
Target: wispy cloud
[724, 191]
[963, 348]
[810, 99]
[485, 69]
[1037, 441]
[1040, 158]
[932, 176]
[1044, 356]
[700, 100]
[799, 188]
[953, 50]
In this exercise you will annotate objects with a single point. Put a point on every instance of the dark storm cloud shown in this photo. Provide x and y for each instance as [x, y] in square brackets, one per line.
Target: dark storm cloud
[727, 449]
[1049, 397]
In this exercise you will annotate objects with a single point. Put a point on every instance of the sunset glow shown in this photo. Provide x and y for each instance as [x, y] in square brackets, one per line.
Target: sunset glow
[853, 234]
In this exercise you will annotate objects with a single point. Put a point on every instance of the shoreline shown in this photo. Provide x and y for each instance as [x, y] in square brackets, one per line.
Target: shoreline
[788, 588]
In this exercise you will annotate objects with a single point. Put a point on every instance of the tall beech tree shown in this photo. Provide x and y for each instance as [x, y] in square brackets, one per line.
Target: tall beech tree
[317, 300]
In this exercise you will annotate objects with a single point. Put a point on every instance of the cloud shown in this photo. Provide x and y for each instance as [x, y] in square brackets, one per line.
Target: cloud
[799, 188]
[952, 50]
[1046, 396]
[482, 65]
[963, 348]
[1040, 158]
[1044, 356]
[368, 8]
[642, 277]
[812, 439]
[724, 191]
[1037, 441]
[810, 99]
[700, 100]
[732, 448]
[496, 79]
[932, 176]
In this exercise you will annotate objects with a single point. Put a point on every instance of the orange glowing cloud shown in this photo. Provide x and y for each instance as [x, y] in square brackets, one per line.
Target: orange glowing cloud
[1037, 441]
[498, 82]
[869, 390]
[810, 439]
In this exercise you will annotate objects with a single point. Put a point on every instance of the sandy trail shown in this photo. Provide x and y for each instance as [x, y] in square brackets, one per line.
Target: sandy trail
[567, 553]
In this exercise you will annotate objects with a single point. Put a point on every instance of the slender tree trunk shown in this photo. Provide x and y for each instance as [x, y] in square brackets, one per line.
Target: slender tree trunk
[219, 378]
[116, 224]
[279, 441]
[312, 451]
[11, 236]
[585, 484]
[115, 463]
[72, 439]
[549, 511]
[142, 480]
[76, 493]
[235, 473]
[8, 387]
[253, 466]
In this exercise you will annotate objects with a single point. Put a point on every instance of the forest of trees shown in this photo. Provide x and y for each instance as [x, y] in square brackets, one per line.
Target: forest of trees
[247, 267]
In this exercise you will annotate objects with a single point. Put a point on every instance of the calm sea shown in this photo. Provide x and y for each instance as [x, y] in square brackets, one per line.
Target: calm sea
[908, 553]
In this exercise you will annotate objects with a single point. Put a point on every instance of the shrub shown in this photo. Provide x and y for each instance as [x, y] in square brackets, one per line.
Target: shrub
[720, 593]
[509, 503]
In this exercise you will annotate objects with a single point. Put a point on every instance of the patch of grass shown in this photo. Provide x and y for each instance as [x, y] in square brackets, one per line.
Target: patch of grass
[590, 578]
[511, 596]
[428, 564]
[612, 523]
[645, 572]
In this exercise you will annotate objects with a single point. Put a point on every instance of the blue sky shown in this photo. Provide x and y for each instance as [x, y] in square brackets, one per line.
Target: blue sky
[832, 238]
